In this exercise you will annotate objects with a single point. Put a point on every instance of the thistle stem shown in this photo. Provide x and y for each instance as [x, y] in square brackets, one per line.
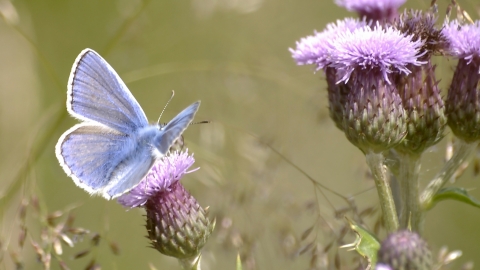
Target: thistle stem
[192, 263]
[409, 190]
[382, 181]
[461, 152]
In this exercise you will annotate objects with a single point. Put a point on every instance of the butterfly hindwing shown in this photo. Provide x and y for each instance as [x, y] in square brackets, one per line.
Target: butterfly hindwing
[90, 153]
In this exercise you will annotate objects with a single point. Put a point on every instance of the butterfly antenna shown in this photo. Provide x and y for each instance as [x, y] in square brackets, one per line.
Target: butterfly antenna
[201, 122]
[160, 117]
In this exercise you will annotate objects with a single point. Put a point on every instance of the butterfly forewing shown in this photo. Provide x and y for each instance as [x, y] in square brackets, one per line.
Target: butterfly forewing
[96, 93]
[174, 129]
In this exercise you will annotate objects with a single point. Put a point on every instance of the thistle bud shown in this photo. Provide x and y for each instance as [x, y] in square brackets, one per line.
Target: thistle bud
[463, 102]
[424, 109]
[177, 225]
[422, 26]
[365, 60]
[463, 99]
[374, 116]
[404, 250]
[317, 50]
[359, 61]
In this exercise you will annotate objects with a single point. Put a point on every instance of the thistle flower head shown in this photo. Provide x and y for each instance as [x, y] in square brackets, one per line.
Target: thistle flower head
[463, 99]
[317, 50]
[404, 250]
[373, 9]
[353, 44]
[163, 174]
[368, 107]
[424, 107]
[426, 118]
[360, 62]
[381, 50]
[176, 224]
[464, 40]
[366, 60]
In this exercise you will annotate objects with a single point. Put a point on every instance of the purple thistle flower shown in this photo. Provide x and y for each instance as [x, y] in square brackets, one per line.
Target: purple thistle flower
[366, 60]
[463, 99]
[316, 49]
[377, 10]
[163, 174]
[352, 44]
[464, 40]
[176, 224]
[405, 250]
[382, 50]
[421, 98]
[367, 107]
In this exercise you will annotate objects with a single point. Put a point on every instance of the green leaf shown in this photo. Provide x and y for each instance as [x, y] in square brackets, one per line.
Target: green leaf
[366, 244]
[454, 193]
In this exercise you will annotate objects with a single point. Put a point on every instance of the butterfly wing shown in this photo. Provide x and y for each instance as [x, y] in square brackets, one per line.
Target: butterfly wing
[89, 154]
[103, 161]
[96, 93]
[174, 129]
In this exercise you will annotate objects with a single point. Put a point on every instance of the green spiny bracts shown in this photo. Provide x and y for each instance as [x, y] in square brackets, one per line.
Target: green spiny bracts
[177, 225]
[463, 101]
[337, 97]
[424, 108]
[375, 119]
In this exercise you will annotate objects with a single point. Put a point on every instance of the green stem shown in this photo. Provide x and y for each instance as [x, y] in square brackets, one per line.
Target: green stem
[192, 263]
[461, 152]
[409, 190]
[382, 181]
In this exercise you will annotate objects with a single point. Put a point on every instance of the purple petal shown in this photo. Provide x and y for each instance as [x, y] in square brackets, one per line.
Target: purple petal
[464, 39]
[315, 50]
[368, 6]
[381, 48]
[163, 174]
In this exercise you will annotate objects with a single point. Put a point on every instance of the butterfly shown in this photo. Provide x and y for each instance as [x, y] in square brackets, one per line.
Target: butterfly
[114, 146]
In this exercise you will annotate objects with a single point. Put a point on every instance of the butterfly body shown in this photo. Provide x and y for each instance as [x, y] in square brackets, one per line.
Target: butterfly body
[114, 147]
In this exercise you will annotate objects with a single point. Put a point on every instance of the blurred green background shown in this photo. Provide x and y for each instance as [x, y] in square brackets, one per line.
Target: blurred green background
[233, 56]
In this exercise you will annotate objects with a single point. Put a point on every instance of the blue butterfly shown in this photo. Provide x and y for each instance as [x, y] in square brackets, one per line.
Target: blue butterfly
[114, 147]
